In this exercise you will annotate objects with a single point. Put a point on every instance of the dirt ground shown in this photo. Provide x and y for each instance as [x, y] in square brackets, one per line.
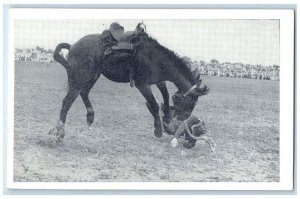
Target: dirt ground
[242, 116]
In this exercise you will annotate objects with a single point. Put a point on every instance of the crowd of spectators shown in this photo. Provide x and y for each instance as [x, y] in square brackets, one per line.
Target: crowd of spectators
[240, 70]
[34, 54]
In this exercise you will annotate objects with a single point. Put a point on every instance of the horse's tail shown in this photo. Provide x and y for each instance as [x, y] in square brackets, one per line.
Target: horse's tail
[58, 57]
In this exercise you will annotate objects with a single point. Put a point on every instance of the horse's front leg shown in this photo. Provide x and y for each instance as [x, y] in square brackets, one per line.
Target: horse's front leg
[166, 106]
[153, 108]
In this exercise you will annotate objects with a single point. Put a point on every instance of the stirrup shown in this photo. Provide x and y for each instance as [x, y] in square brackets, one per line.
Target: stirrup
[131, 77]
[131, 82]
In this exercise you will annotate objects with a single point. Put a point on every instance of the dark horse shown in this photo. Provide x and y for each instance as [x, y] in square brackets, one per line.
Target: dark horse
[152, 63]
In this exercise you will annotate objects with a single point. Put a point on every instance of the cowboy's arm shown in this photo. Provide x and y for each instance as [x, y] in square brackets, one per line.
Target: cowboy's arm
[180, 130]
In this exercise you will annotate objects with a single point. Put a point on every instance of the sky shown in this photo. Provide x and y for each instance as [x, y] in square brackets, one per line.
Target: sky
[246, 41]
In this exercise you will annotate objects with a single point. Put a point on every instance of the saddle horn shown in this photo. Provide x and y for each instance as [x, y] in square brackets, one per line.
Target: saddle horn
[141, 27]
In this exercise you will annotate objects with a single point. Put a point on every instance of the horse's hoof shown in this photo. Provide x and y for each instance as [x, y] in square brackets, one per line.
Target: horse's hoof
[90, 118]
[60, 134]
[158, 133]
[89, 123]
[189, 145]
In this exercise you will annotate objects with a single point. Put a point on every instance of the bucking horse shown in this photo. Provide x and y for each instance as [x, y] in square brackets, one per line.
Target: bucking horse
[120, 56]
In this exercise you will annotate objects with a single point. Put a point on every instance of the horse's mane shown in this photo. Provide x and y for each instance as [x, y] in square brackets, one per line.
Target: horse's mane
[180, 64]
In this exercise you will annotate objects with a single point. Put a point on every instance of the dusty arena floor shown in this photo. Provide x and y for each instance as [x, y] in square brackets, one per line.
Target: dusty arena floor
[242, 116]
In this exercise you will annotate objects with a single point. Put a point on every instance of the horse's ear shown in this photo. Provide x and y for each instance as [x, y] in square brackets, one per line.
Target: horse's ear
[196, 74]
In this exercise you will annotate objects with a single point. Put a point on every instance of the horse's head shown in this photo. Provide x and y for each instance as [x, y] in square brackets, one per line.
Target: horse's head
[184, 103]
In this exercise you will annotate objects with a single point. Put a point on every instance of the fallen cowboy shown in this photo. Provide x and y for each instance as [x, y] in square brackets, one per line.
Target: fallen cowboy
[191, 130]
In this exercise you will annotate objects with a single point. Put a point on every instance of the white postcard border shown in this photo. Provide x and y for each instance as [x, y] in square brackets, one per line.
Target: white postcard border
[286, 93]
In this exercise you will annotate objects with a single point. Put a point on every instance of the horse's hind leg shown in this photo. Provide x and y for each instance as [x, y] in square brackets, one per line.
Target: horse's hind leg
[153, 108]
[85, 98]
[166, 107]
[89, 108]
[66, 105]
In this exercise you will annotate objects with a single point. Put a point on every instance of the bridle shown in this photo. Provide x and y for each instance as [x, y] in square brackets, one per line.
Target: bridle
[180, 96]
[186, 93]
[189, 91]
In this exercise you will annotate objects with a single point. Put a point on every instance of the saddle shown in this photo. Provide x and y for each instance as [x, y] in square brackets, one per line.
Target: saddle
[125, 44]
[117, 39]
